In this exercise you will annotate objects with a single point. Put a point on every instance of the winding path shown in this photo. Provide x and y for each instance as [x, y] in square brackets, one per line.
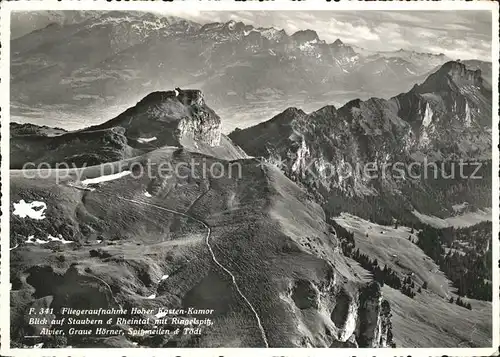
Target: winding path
[207, 241]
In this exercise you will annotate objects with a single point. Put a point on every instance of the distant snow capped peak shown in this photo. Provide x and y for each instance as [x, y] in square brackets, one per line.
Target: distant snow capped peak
[272, 33]
[305, 36]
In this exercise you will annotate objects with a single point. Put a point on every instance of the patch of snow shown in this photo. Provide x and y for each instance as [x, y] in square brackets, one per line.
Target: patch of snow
[33, 210]
[464, 220]
[470, 218]
[147, 194]
[105, 178]
[152, 296]
[164, 277]
[146, 140]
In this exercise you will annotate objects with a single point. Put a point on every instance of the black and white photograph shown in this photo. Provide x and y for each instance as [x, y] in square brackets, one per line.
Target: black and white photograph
[177, 177]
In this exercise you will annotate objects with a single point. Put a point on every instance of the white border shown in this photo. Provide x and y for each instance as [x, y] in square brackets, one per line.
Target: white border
[225, 5]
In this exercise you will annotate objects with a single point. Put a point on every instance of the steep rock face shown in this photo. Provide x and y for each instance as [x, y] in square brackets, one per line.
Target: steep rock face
[341, 50]
[123, 244]
[458, 72]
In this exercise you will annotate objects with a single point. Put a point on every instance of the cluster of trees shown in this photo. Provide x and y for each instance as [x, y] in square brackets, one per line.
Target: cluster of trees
[461, 302]
[468, 266]
[435, 195]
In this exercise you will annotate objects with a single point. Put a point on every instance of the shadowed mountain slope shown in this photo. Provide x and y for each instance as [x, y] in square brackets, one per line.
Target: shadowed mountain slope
[160, 119]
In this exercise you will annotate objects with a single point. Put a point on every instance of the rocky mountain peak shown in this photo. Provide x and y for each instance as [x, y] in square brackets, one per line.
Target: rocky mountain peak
[327, 110]
[303, 36]
[458, 70]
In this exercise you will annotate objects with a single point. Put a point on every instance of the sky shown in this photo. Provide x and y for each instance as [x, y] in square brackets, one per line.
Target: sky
[457, 34]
